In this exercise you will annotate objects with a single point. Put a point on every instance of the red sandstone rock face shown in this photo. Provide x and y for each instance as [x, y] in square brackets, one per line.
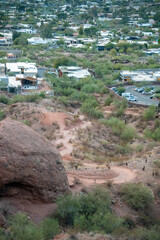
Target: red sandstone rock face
[30, 167]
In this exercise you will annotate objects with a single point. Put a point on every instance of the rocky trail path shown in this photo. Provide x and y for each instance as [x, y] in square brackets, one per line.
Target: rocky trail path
[89, 173]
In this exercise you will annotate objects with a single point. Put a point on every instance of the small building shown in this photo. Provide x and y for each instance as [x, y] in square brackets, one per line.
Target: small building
[14, 86]
[27, 83]
[11, 56]
[140, 76]
[6, 38]
[74, 72]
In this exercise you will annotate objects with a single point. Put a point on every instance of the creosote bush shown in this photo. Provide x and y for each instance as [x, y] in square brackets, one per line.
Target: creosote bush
[2, 115]
[89, 107]
[149, 113]
[22, 228]
[108, 101]
[88, 212]
[153, 134]
[137, 196]
[119, 128]
[4, 99]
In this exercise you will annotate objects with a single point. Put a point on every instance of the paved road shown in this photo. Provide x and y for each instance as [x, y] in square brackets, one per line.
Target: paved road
[142, 99]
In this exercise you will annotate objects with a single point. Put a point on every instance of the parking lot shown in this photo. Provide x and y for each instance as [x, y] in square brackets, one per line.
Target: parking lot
[142, 99]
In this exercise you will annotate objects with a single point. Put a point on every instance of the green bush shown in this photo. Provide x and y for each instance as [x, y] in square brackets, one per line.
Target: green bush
[107, 222]
[153, 134]
[88, 212]
[26, 98]
[2, 115]
[123, 149]
[115, 124]
[64, 100]
[120, 112]
[64, 62]
[128, 133]
[21, 228]
[137, 196]
[108, 101]
[4, 99]
[90, 88]
[120, 104]
[152, 233]
[149, 113]
[89, 107]
[121, 90]
[50, 227]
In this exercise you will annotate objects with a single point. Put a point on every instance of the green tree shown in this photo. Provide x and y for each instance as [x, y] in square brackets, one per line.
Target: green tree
[113, 52]
[81, 30]
[46, 31]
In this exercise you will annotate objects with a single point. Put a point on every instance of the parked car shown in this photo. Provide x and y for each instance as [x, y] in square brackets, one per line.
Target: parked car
[135, 89]
[145, 93]
[132, 99]
[152, 91]
[140, 90]
[152, 96]
[126, 94]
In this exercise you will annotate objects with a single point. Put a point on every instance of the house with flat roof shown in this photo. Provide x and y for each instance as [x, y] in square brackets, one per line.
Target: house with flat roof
[140, 76]
[74, 72]
[15, 77]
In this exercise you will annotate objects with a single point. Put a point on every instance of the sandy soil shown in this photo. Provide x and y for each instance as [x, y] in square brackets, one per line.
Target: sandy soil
[36, 211]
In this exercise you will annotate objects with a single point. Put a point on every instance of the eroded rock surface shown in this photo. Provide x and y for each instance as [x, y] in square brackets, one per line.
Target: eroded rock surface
[30, 167]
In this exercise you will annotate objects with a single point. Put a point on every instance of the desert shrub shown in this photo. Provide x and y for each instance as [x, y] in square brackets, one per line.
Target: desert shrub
[2, 115]
[120, 112]
[153, 134]
[89, 107]
[67, 210]
[129, 223]
[149, 113]
[32, 98]
[17, 98]
[90, 88]
[157, 167]
[128, 133]
[107, 222]
[4, 99]
[108, 101]
[64, 61]
[120, 104]
[88, 212]
[123, 149]
[26, 98]
[139, 148]
[50, 227]
[147, 234]
[137, 196]
[64, 100]
[115, 124]
[21, 228]
[42, 94]
[27, 122]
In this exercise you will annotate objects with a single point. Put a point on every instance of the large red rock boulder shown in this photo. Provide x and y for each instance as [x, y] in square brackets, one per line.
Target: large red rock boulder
[30, 167]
